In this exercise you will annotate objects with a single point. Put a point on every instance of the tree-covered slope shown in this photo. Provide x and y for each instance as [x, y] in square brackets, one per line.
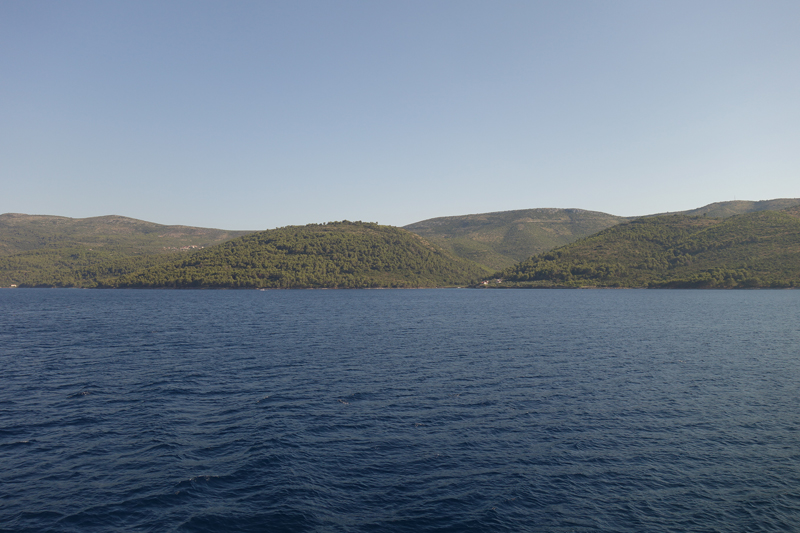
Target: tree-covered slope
[74, 267]
[23, 233]
[760, 249]
[499, 240]
[50, 251]
[335, 255]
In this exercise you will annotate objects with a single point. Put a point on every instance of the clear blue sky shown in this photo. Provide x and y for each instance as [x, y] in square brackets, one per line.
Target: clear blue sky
[254, 115]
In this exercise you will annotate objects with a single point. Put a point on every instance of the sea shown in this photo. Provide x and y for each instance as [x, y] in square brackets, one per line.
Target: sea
[399, 410]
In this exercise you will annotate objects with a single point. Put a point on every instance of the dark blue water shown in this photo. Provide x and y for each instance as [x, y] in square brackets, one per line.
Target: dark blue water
[415, 410]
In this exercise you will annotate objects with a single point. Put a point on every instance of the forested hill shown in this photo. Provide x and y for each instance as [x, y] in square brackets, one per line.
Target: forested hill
[24, 233]
[499, 240]
[334, 255]
[760, 249]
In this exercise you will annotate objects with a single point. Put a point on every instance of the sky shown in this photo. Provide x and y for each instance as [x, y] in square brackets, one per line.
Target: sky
[254, 115]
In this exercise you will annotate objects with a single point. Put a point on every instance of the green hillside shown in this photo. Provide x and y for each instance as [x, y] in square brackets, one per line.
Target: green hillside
[49, 251]
[335, 255]
[760, 249]
[74, 267]
[23, 233]
[499, 240]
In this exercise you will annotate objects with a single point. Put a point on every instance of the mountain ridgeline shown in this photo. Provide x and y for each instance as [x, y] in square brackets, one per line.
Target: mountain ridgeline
[51, 251]
[23, 233]
[502, 239]
[756, 250]
[499, 240]
[727, 245]
[334, 255]
[738, 207]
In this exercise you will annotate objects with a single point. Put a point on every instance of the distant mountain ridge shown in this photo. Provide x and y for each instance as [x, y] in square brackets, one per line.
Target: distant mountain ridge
[50, 251]
[23, 233]
[738, 207]
[500, 239]
[760, 249]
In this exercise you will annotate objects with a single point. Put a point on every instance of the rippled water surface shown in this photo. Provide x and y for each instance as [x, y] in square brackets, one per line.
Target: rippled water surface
[399, 410]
